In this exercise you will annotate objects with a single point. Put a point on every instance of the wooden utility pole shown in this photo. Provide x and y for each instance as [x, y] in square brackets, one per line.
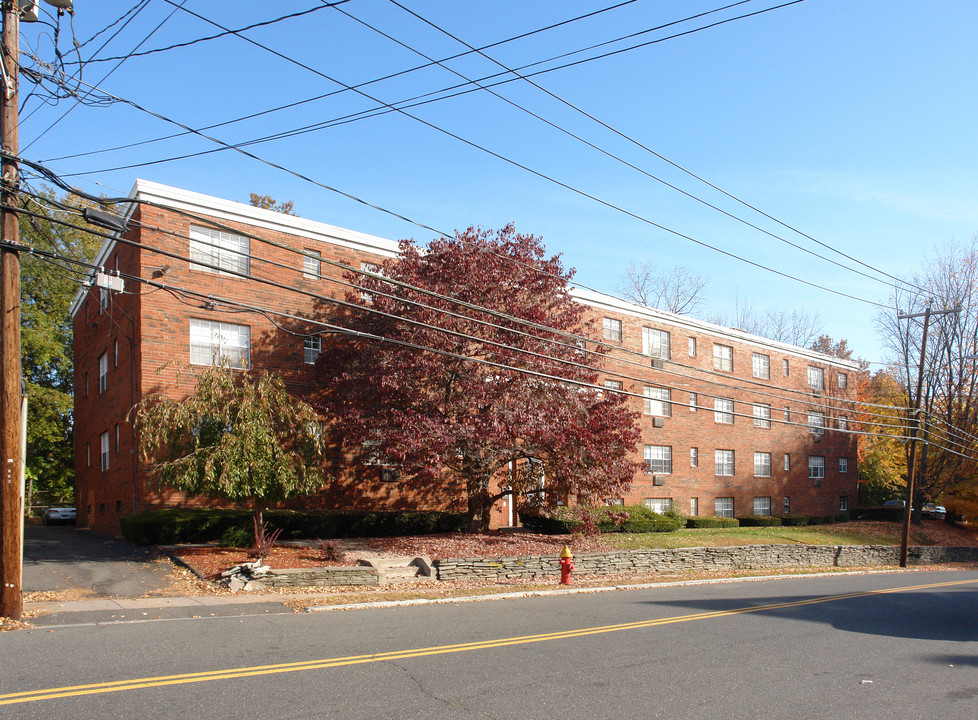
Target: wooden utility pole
[11, 455]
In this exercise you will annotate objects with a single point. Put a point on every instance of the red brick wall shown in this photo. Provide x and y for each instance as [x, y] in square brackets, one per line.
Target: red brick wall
[151, 327]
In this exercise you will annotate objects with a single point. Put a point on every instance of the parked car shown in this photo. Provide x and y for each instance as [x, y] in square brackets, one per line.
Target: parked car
[895, 504]
[932, 510]
[58, 516]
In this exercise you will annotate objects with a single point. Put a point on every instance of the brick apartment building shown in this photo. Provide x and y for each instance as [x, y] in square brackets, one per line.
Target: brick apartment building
[732, 424]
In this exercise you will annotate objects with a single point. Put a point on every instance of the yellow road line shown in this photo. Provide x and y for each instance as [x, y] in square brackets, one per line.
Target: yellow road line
[233, 673]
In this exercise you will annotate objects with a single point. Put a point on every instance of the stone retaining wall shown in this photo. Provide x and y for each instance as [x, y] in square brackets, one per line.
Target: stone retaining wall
[322, 577]
[709, 559]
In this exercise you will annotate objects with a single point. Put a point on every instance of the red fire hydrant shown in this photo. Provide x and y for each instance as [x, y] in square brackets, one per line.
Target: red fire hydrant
[566, 565]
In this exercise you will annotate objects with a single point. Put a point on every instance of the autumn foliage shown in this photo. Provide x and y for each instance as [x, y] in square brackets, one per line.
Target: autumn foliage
[468, 363]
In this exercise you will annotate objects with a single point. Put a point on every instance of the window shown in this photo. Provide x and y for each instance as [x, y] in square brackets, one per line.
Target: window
[723, 506]
[724, 461]
[368, 267]
[117, 438]
[843, 381]
[103, 372]
[311, 347]
[693, 399]
[787, 505]
[218, 251]
[694, 457]
[762, 415]
[692, 347]
[843, 502]
[816, 378]
[762, 506]
[658, 505]
[115, 350]
[105, 451]
[694, 506]
[103, 300]
[762, 464]
[612, 329]
[212, 342]
[723, 411]
[843, 423]
[88, 454]
[816, 423]
[787, 414]
[655, 343]
[784, 367]
[723, 357]
[787, 462]
[312, 264]
[390, 474]
[816, 467]
[613, 384]
[761, 366]
[658, 459]
[843, 465]
[657, 401]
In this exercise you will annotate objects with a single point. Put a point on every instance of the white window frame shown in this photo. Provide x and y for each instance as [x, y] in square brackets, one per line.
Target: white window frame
[723, 507]
[785, 367]
[693, 400]
[723, 357]
[217, 251]
[692, 346]
[612, 329]
[657, 401]
[103, 372]
[723, 409]
[694, 506]
[762, 464]
[816, 423]
[843, 503]
[658, 505]
[816, 378]
[211, 341]
[724, 463]
[787, 462]
[312, 264]
[787, 505]
[762, 506]
[656, 343]
[843, 464]
[762, 415]
[613, 385]
[104, 442]
[658, 459]
[843, 422]
[843, 381]
[816, 467]
[694, 457]
[760, 366]
[311, 347]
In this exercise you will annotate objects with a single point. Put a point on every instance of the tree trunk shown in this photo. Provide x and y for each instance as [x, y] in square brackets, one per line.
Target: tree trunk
[479, 507]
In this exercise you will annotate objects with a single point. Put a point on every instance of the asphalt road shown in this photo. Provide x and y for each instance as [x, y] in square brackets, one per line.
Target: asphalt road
[63, 557]
[894, 645]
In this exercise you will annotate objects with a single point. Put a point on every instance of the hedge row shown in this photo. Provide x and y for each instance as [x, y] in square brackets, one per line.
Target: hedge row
[641, 519]
[178, 525]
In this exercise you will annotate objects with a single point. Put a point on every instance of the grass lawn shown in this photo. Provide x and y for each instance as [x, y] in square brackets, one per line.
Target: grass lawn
[853, 533]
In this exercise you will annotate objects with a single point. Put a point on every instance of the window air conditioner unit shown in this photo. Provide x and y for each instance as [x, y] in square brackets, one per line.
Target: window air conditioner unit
[817, 438]
[657, 363]
[657, 480]
[658, 422]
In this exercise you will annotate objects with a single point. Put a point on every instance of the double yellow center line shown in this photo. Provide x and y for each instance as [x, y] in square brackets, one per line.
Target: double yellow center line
[233, 673]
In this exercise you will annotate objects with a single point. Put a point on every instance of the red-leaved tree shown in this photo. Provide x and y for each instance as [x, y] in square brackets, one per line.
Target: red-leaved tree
[451, 394]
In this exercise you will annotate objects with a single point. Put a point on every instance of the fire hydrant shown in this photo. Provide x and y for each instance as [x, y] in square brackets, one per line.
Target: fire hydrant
[566, 565]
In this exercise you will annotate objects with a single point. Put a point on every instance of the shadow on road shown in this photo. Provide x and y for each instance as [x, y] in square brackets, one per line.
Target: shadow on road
[65, 558]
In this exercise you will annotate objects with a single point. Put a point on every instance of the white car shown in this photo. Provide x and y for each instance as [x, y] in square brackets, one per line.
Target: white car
[59, 516]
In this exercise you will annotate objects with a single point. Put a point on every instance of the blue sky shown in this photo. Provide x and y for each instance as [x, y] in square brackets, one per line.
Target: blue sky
[850, 122]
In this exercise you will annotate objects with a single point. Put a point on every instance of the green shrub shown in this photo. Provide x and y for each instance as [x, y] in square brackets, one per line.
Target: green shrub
[237, 537]
[795, 520]
[711, 521]
[181, 525]
[821, 519]
[759, 521]
[842, 516]
[547, 525]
